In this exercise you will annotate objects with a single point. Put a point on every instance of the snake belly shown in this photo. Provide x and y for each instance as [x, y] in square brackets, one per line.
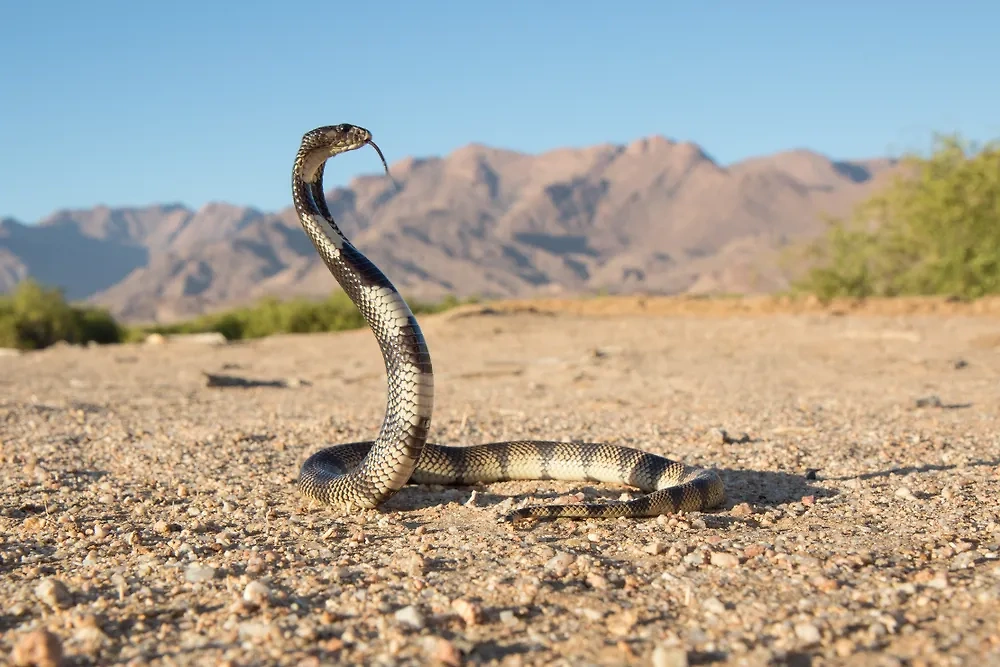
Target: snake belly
[364, 474]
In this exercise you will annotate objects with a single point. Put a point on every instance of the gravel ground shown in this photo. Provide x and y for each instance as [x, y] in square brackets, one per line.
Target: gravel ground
[148, 518]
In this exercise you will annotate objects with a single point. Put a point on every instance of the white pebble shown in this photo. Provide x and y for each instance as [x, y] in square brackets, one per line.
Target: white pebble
[807, 633]
[411, 617]
[656, 547]
[256, 592]
[196, 573]
[714, 605]
[664, 656]
[559, 563]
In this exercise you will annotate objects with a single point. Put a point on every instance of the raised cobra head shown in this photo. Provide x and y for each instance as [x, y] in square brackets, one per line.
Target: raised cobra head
[322, 143]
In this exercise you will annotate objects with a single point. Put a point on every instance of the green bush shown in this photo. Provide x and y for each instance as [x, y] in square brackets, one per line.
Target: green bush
[33, 317]
[935, 230]
[98, 326]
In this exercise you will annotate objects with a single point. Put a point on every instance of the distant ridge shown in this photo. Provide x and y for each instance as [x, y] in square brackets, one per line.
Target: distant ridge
[653, 216]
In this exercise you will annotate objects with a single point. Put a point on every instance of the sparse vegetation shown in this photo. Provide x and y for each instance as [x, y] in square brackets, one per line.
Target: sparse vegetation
[934, 231]
[33, 317]
[272, 316]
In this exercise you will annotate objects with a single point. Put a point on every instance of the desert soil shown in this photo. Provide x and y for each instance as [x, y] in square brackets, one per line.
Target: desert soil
[148, 518]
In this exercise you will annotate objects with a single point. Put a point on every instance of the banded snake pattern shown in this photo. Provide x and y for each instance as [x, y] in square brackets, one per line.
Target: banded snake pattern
[364, 474]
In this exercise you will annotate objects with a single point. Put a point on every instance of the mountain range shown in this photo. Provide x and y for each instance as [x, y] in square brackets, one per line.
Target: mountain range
[651, 216]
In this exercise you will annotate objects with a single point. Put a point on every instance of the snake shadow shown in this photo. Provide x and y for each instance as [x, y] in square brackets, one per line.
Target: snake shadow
[760, 488]
[770, 488]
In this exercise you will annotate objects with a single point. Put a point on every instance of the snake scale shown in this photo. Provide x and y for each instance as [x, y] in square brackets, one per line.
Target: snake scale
[364, 474]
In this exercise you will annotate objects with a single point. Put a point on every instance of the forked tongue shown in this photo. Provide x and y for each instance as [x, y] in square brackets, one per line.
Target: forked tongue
[384, 163]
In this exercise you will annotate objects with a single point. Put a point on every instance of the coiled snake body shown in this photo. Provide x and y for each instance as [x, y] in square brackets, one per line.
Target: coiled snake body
[364, 474]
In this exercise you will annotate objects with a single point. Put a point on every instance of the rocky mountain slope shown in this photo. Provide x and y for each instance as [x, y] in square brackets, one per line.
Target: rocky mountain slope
[650, 216]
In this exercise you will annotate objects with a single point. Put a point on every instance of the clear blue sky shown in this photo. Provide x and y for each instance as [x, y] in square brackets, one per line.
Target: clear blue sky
[131, 103]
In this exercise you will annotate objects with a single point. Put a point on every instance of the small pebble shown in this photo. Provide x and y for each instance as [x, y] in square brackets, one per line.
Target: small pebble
[38, 648]
[845, 647]
[411, 617]
[695, 558]
[741, 511]
[714, 605]
[656, 547]
[444, 652]
[598, 581]
[808, 633]
[197, 573]
[469, 612]
[256, 592]
[669, 656]
[721, 559]
[559, 564]
[54, 593]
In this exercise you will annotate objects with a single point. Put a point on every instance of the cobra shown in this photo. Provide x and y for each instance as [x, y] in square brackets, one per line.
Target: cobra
[364, 474]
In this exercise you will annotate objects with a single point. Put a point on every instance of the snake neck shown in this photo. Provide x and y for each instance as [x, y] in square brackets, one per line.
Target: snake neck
[311, 207]
[318, 198]
[404, 350]
[351, 269]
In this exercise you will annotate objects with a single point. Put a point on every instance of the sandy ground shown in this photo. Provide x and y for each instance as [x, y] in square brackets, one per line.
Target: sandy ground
[146, 518]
